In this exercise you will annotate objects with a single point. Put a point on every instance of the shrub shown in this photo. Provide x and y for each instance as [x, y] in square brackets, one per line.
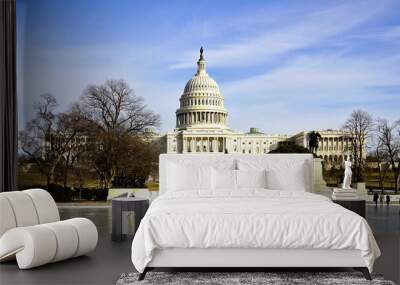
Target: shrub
[94, 194]
[58, 192]
[66, 194]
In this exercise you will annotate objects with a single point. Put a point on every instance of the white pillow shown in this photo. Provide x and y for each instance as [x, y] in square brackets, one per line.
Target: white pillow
[251, 178]
[183, 178]
[293, 179]
[223, 179]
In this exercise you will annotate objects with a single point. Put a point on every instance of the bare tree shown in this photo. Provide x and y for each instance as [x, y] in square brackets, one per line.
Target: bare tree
[389, 143]
[48, 136]
[359, 125]
[113, 112]
[398, 156]
[71, 123]
[383, 165]
[114, 106]
[137, 159]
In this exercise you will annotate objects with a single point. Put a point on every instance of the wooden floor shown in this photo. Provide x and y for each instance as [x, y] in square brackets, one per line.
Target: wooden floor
[111, 259]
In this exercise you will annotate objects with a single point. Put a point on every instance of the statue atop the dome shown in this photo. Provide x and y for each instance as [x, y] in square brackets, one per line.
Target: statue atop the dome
[201, 53]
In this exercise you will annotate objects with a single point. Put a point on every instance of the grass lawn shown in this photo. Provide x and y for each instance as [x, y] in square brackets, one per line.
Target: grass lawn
[29, 175]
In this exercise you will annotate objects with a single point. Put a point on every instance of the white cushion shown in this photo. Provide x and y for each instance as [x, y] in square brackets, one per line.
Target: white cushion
[23, 208]
[251, 178]
[87, 233]
[67, 240]
[292, 179]
[281, 174]
[192, 177]
[45, 205]
[7, 218]
[32, 246]
[169, 174]
[224, 179]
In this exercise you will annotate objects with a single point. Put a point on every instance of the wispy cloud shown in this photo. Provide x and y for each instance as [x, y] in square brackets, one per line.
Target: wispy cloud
[322, 90]
[325, 73]
[307, 31]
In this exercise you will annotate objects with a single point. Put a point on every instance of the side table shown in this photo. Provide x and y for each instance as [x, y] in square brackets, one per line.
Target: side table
[123, 208]
[357, 205]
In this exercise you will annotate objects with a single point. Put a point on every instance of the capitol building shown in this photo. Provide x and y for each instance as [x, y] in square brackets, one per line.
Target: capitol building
[202, 126]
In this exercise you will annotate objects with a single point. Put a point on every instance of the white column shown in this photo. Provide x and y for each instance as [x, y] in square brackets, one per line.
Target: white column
[322, 145]
[184, 145]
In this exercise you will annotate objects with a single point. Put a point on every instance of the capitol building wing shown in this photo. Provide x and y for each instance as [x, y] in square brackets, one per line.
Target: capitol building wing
[202, 126]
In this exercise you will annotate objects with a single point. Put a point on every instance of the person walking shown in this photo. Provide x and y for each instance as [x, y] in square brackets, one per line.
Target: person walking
[381, 198]
[376, 197]
[387, 199]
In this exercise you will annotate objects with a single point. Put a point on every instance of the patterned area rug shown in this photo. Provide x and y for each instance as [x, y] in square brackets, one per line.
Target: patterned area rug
[242, 278]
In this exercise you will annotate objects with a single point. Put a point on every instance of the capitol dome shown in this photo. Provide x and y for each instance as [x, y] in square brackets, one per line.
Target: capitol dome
[201, 82]
[201, 104]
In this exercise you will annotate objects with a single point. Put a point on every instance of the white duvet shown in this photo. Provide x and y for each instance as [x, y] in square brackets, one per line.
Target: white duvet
[250, 219]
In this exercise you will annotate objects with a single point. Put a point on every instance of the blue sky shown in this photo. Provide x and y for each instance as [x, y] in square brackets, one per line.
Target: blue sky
[282, 66]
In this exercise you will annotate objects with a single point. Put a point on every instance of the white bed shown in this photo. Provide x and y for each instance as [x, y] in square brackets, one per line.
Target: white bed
[199, 221]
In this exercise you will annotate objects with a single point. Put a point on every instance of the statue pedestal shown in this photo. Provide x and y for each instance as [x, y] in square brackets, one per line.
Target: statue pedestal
[348, 194]
[362, 191]
[319, 182]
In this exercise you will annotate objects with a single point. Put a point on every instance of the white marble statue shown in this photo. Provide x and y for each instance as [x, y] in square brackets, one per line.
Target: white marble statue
[347, 174]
